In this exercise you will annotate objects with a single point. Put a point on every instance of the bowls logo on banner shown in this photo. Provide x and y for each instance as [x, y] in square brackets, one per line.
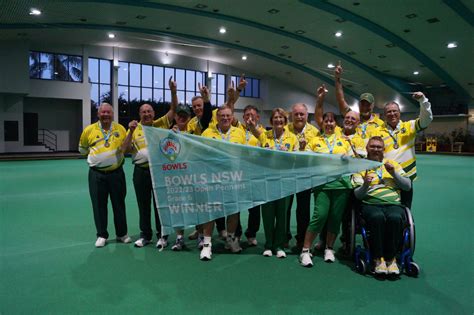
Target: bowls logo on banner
[170, 147]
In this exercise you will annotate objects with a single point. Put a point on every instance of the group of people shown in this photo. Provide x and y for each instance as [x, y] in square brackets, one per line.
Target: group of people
[381, 193]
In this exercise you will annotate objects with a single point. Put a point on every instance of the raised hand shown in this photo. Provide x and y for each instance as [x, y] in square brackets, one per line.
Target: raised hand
[338, 71]
[231, 94]
[418, 96]
[242, 83]
[368, 178]
[322, 91]
[132, 125]
[172, 85]
[204, 92]
[390, 168]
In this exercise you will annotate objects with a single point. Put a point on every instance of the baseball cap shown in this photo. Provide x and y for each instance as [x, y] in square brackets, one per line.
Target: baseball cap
[181, 108]
[367, 97]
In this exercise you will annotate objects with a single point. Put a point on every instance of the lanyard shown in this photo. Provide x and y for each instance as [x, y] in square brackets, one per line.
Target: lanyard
[394, 135]
[106, 135]
[352, 146]
[226, 136]
[278, 142]
[363, 128]
[300, 135]
[379, 173]
[330, 147]
[247, 136]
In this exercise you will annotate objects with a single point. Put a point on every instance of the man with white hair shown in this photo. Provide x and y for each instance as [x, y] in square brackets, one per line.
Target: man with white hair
[103, 143]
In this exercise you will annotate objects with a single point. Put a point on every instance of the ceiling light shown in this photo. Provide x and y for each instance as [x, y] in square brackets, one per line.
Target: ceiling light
[330, 66]
[111, 35]
[416, 72]
[222, 30]
[34, 11]
[338, 34]
[244, 57]
[452, 45]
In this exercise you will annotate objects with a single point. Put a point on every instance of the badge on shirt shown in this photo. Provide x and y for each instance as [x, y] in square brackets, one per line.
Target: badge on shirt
[403, 130]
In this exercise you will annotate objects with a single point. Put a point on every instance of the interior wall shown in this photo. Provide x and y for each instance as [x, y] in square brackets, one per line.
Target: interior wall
[62, 116]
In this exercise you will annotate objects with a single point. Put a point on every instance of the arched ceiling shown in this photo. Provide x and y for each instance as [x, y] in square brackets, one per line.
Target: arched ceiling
[383, 41]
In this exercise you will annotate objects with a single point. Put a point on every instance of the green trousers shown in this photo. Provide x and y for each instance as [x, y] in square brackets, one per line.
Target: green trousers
[329, 205]
[101, 186]
[274, 223]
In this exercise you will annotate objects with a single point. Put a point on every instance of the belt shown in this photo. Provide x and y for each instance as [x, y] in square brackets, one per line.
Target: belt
[106, 171]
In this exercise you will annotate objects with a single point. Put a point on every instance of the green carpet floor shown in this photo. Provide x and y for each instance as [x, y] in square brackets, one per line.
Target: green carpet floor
[48, 262]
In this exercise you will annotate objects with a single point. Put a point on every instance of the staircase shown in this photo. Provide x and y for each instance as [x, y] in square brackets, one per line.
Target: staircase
[48, 139]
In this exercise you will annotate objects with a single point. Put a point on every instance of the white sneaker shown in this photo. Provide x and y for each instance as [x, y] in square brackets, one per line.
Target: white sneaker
[162, 243]
[252, 241]
[380, 267]
[392, 268]
[100, 242]
[233, 244]
[206, 252]
[329, 255]
[267, 253]
[223, 235]
[178, 245]
[305, 259]
[142, 242]
[281, 254]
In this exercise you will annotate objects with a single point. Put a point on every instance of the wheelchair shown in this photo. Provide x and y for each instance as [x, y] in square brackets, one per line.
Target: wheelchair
[362, 255]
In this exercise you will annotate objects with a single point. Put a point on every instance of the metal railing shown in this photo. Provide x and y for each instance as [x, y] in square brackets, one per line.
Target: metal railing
[48, 139]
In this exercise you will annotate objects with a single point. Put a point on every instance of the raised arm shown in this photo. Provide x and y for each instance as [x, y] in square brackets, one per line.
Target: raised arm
[174, 99]
[402, 182]
[127, 142]
[343, 106]
[234, 94]
[207, 110]
[426, 115]
[318, 110]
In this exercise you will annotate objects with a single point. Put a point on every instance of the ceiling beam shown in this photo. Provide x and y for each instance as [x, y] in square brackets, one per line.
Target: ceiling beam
[394, 83]
[400, 42]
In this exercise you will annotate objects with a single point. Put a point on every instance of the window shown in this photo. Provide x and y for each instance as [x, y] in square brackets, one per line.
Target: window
[251, 90]
[219, 89]
[140, 83]
[59, 67]
[11, 130]
[100, 77]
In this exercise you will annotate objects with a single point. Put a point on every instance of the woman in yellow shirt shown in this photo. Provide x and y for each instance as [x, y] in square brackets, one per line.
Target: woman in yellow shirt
[329, 199]
[274, 212]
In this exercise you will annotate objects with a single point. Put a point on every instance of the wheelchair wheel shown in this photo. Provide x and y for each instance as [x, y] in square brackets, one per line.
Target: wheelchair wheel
[412, 269]
[411, 224]
[361, 266]
[352, 234]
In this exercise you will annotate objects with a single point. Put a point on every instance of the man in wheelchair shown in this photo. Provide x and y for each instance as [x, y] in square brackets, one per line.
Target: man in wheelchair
[379, 192]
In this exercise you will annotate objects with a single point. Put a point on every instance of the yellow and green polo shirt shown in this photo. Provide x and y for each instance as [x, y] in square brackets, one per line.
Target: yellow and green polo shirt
[195, 128]
[383, 189]
[102, 155]
[357, 144]
[250, 139]
[234, 134]
[139, 147]
[308, 133]
[287, 140]
[323, 144]
[368, 128]
[400, 144]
